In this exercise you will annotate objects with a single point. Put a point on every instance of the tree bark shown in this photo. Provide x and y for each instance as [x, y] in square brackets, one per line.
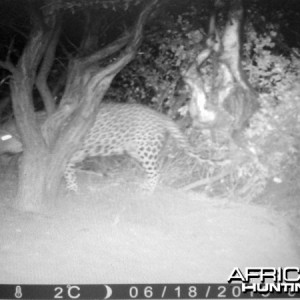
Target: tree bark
[33, 164]
[239, 99]
[44, 70]
[231, 101]
[47, 151]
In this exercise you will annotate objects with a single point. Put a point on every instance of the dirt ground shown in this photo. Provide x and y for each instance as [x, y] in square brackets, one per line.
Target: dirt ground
[109, 233]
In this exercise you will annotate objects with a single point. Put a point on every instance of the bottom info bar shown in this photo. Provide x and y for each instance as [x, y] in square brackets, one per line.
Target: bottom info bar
[140, 291]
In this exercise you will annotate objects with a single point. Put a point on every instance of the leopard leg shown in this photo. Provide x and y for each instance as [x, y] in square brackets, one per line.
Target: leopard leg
[149, 162]
[70, 177]
[151, 181]
[70, 172]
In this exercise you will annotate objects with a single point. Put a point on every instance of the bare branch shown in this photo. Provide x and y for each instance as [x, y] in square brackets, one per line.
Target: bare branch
[142, 20]
[91, 82]
[135, 34]
[18, 31]
[35, 48]
[85, 71]
[110, 49]
[10, 49]
[89, 43]
[41, 80]
[7, 65]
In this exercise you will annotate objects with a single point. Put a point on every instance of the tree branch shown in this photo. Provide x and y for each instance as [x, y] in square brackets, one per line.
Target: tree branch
[117, 45]
[109, 50]
[137, 34]
[38, 41]
[24, 77]
[41, 80]
[7, 65]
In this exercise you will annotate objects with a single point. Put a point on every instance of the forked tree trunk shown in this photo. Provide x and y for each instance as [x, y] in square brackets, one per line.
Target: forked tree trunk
[47, 150]
[33, 162]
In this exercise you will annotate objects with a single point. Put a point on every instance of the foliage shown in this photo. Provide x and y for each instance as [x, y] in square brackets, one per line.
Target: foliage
[274, 130]
[273, 135]
[272, 70]
[169, 47]
[76, 5]
[171, 43]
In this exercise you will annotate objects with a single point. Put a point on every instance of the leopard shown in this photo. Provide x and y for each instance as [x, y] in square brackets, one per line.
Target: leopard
[121, 128]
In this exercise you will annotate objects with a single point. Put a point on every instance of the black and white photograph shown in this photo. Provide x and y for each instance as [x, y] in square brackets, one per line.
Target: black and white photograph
[153, 144]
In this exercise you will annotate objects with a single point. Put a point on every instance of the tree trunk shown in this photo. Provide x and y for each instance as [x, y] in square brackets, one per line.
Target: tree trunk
[35, 156]
[231, 101]
[30, 193]
[48, 149]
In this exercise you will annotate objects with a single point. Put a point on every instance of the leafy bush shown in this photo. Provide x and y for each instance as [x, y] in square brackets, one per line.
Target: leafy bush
[274, 129]
[272, 68]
